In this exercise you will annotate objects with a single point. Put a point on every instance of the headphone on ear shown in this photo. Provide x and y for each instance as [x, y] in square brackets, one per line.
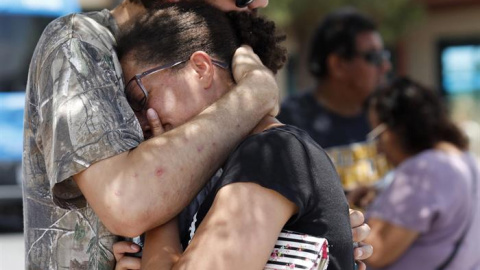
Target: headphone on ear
[243, 3]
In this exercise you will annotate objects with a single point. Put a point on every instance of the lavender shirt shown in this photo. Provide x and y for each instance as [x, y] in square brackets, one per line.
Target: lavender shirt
[432, 194]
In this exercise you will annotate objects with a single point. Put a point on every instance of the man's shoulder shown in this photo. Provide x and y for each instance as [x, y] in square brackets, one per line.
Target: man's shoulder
[78, 24]
[94, 28]
[297, 107]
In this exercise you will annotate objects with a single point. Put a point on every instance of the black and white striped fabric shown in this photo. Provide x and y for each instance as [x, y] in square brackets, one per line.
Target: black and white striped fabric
[298, 251]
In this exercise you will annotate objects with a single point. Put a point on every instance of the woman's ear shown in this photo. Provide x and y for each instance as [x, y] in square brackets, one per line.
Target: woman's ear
[203, 67]
[335, 66]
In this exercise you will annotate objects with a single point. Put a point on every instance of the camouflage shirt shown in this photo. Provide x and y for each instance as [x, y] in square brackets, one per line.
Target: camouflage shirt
[75, 115]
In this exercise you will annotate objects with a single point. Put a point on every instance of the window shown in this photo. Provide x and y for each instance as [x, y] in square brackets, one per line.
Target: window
[459, 67]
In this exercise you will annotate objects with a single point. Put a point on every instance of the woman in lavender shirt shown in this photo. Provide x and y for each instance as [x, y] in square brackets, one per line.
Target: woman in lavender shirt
[432, 202]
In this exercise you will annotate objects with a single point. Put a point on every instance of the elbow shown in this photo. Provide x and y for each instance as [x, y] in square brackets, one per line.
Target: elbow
[124, 225]
[129, 232]
[133, 219]
[127, 220]
[131, 215]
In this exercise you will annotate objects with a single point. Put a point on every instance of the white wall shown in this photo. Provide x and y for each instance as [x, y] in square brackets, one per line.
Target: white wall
[421, 43]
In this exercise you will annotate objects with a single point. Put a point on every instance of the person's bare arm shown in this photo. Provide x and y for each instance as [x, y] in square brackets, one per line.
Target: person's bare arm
[147, 186]
[239, 232]
[162, 247]
[389, 241]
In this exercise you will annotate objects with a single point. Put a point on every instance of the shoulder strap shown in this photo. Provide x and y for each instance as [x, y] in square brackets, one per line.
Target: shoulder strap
[458, 243]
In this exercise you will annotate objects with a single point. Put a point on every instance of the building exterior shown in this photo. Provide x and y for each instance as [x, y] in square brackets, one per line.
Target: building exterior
[443, 51]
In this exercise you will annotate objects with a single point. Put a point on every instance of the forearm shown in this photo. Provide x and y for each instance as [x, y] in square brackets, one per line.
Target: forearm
[389, 242]
[149, 185]
[162, 247]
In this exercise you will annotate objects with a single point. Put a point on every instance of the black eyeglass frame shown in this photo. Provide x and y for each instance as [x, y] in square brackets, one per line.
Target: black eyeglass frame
[138, 79]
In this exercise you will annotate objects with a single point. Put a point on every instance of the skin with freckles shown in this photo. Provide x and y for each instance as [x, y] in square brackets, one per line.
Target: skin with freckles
[159, 173]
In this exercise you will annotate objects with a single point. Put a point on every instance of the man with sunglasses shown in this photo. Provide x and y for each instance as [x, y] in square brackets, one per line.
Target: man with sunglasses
[348, 61]
[88, 173]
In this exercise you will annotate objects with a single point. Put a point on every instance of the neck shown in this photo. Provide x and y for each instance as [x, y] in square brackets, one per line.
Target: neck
[447, 147]
[126, 11]
[266, 123]
[334, 97]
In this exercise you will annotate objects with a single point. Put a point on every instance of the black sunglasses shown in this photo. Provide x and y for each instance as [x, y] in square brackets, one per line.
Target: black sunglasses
[243, 3]
[375, 57]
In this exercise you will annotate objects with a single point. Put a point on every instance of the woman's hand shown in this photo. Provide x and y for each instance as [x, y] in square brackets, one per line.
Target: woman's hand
[125, 262]
[360, 231]
[154, 122]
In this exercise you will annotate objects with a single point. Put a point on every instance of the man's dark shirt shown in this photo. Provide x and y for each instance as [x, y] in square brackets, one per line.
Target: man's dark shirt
[327, 128]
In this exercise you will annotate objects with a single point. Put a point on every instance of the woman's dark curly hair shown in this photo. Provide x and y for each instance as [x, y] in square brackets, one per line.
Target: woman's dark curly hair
[174, 31]
[417, 115]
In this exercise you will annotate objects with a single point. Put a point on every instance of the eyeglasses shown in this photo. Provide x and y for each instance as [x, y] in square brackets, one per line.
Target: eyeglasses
[137, 94]
[375, 57]
[243, 3]
[377, 131]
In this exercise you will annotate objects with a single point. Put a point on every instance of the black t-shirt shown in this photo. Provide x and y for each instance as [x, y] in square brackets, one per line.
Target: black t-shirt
[327, 128]
[287, 160]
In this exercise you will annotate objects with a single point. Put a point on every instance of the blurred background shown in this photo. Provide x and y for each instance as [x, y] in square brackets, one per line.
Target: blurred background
[436, 42]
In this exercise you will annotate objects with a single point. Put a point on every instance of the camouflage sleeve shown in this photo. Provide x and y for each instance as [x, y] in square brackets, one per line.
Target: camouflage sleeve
[83, 115]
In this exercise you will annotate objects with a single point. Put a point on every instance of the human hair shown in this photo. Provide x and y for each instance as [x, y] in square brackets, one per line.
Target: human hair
[148, 3]
[417, 115]
[175, 31]
[337, 34]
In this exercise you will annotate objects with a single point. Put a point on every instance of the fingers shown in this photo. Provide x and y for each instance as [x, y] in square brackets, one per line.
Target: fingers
[363, 251]
[360, 233]
[356, 218]
[360, 266]
[154, 121]
[128, 263]
[122, 247]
